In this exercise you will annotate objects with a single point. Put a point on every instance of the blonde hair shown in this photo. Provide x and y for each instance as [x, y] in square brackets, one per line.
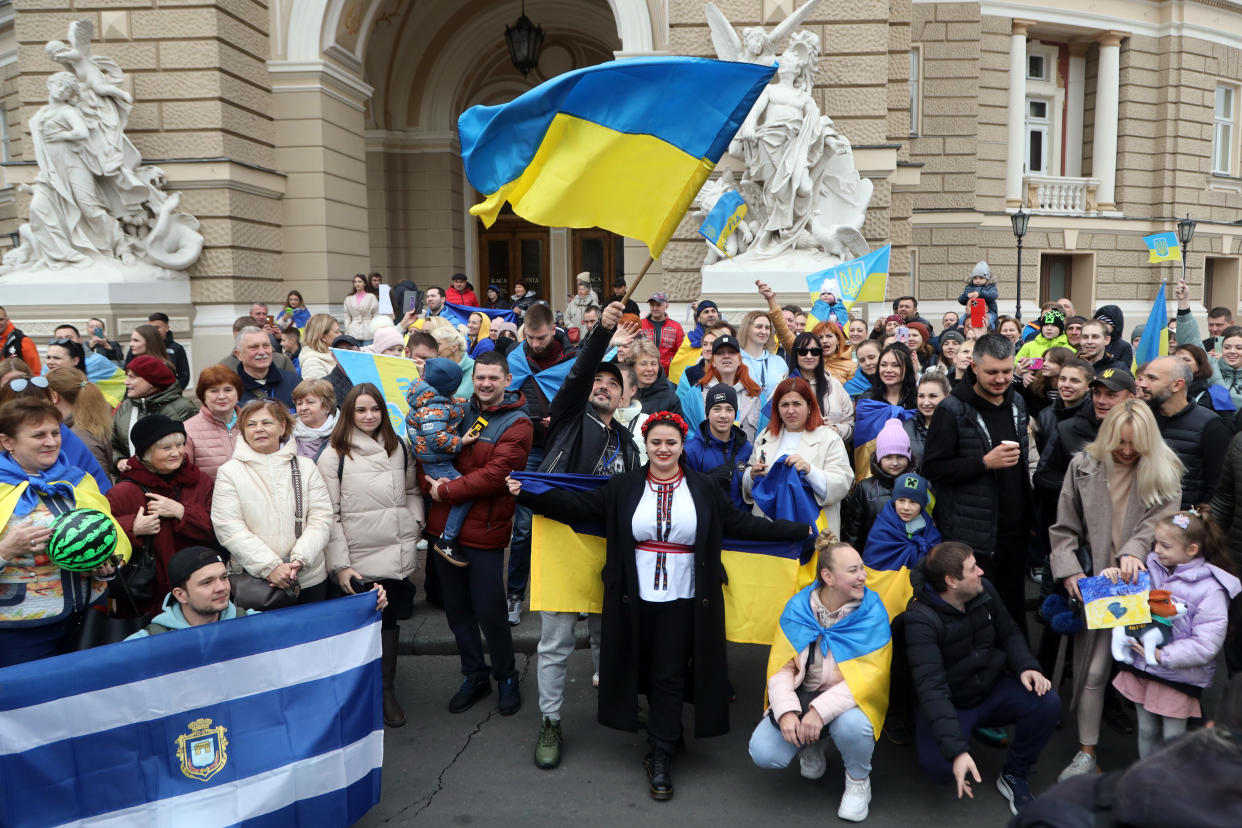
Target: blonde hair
[91, 411]
[320, 388]
[642, 347]
[826, 544]
[445, 333]
[1158, 471]
[316, 329]
[743, 332]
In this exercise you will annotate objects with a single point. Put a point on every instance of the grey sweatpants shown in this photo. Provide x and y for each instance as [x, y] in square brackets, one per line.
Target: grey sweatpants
[556, 642]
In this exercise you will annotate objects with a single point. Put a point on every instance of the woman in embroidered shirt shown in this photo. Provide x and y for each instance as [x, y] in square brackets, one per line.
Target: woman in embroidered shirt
[663, 609]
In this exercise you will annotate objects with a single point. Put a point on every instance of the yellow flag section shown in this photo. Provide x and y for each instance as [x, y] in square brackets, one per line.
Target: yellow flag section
[566, 561]
[861, 643]
[393, 376]
[893, 588]
[683, 359]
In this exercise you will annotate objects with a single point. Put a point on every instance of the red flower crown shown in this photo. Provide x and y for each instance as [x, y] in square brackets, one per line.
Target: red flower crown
[666, 418]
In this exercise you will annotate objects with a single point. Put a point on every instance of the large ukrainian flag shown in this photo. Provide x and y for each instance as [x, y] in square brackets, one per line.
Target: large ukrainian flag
[566, 561]
[861, 644]
[624, 145]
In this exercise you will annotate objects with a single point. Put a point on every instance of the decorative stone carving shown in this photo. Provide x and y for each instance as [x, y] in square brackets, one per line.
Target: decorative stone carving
[96, 212]
[755, 45]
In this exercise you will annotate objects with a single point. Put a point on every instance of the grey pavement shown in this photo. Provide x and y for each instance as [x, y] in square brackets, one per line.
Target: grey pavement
[444, 769]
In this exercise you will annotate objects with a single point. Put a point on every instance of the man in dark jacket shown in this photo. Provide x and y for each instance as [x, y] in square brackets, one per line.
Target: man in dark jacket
[972, 668]
[1093, 347]
[1117, 349]
[261, 380]
[583, 438]
[1196, 434]
[176, 352]
[540, 351]
[721, 449]
[618, 295]
[1110, 387]
[474, 596]
[976, 459]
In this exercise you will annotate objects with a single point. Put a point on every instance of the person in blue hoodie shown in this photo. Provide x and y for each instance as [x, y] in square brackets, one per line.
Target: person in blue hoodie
[201, 593]
[721, 449]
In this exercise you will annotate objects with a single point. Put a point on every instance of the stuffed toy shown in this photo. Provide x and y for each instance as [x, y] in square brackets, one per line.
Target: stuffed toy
[1152, 635]
[1061, 616]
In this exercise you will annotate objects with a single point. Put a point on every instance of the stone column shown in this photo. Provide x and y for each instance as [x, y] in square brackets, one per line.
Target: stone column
[1075, 96]
[1017, 112]
[1104, 145]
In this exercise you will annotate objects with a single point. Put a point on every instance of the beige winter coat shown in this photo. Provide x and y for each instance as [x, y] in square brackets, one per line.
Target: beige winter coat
[252, 510]
[830, 463]
[377, 509]
[316, 365]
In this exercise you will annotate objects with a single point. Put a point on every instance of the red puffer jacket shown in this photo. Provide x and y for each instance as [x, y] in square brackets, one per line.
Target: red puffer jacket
[484, 465]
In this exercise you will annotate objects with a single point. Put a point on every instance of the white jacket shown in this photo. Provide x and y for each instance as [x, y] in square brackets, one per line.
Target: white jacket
[252, 510]
[838, 408]
[315, 365]
[377, 509]
[830, 477]
[358, 316]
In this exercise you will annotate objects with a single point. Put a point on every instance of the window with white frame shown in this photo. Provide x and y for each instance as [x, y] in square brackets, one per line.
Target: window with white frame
[1223, 129]
[916, 88]
[1037, 66]
[1038, 121]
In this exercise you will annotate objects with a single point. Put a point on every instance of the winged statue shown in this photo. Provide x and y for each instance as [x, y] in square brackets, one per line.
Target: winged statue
[756, 44]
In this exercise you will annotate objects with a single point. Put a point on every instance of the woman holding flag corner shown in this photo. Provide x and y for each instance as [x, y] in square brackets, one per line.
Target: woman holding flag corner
[663, 627]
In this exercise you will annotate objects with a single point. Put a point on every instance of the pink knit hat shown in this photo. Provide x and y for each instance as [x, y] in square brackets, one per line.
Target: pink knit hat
[892, 439]
[385, 338]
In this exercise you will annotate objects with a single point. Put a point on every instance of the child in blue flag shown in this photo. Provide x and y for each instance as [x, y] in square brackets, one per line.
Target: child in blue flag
[903, 533]
[870, 495]
[433, 428]
[721, 449]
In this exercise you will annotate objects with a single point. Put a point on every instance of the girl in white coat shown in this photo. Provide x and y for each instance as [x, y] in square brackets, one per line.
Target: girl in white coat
[377, 518]
[799, 437]
[361, 306]
[257, 496]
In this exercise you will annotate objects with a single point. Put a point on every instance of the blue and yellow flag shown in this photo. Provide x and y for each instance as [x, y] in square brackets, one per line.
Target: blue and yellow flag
[723, 219]
[392, 375]
[869, 417]
[1107, 604]
[861, 644]
[890, 552]
[1155, 339]
[686, 356]
[864, 279]
[691, 397]
[108, 377]
[460, 314]
[624, 145]
[1162, 247]
[566, 561]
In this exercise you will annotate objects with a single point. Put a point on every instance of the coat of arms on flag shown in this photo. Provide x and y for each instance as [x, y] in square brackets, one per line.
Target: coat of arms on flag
[202, 751]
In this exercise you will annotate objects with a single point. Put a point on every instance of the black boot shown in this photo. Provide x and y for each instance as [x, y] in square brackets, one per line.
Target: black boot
[394, 716]
[659, 767]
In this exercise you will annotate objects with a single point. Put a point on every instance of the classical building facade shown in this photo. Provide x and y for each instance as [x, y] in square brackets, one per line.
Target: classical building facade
[315, 139]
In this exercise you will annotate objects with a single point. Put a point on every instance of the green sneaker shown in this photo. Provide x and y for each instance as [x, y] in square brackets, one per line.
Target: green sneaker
[548, 748]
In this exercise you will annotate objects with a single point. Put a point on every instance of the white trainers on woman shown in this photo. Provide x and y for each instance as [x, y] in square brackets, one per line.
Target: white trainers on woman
[812, 761]
[856, 801]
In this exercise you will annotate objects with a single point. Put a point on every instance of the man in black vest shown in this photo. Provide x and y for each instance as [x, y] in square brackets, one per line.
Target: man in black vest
[976, 460]
[1198, 435]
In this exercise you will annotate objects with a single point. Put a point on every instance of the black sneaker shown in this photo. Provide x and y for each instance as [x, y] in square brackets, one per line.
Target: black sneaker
[450, 553]
[1015, 789]
[510, 696]
[471, 690]
[659, 766]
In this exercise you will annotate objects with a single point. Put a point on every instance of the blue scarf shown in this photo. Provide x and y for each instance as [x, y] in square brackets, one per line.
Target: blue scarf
[862, 631]
[857, 384]
[889, 547]
[60, 479]
[783, 493]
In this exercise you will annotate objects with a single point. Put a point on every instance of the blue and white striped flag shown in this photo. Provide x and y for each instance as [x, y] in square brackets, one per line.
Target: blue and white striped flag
[268, 720]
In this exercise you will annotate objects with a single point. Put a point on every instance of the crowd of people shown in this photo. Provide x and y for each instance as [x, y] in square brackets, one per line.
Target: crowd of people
[937, 477]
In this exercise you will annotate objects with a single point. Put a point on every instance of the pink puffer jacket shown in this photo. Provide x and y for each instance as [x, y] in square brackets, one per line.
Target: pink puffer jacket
[210, 444]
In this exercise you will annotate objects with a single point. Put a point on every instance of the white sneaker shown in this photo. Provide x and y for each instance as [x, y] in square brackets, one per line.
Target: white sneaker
[514, 607]
[1082, 763]
[856, 801]
[421, 546]
[812, 761]
[595, 680]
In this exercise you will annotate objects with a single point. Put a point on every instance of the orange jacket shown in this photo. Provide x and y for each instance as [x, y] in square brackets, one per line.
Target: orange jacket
[29, 350]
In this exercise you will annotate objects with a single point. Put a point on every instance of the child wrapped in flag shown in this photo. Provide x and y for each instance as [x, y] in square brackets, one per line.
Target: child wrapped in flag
[828, 676]
[901, 536]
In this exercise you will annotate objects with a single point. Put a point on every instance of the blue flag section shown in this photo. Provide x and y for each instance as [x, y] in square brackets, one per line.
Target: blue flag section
[723, 219]
[460, 314]
[1155, 339]
[272, 719]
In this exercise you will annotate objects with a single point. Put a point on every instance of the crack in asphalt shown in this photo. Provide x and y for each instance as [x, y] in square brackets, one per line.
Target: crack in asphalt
[478, 727]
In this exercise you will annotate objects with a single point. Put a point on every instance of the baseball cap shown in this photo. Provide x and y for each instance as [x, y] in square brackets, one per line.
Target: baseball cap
[1114, 379]
[185, 562]
[659, 297]
[726, 341]
[343, 339]
[610, 367]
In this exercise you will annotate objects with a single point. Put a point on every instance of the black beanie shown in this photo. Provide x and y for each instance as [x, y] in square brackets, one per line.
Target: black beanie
[1053, 317]
[721, 393]
[185, 562]
[150, 430]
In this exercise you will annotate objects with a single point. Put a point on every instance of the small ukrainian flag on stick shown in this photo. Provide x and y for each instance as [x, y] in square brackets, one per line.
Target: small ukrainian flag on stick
[1162, 247]
[723, 219]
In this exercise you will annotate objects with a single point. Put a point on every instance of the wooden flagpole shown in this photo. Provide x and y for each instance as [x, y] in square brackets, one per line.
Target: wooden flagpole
[641, 274]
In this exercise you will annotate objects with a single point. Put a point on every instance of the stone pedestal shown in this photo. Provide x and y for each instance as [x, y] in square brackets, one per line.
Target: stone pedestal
[731, 282]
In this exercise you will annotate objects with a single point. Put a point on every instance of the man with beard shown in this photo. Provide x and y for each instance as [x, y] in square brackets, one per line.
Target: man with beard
[1196, 434]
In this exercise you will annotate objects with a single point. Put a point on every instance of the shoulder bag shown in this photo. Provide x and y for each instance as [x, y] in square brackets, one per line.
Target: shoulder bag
[253, 593]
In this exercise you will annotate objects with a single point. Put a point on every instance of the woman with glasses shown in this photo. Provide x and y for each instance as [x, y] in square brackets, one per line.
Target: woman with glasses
[75, 452]
[834, 401]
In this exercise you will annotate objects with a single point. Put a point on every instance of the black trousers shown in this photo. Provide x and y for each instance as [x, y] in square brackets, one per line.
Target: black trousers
[666, 643]
[1006, 569]
[474, 600]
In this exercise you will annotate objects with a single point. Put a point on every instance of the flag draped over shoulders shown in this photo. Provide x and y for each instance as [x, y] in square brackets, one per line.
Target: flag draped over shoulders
[889, 555]
[860, 643]
[869, 417]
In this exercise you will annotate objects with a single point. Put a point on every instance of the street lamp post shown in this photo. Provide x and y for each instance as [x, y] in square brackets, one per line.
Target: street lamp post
[1019, 220]
[1186, 232]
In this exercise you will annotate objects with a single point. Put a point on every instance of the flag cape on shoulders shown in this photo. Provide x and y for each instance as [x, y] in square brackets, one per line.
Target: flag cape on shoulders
[1162, 247]
[864, 279]
[392, 375]
[271, 719]
[869, 417]
[861, 644]
[566, 561]
[623, 145]
[460, 314]
[1155, 340]
[890, 553]
[108, 377]
[549, 379]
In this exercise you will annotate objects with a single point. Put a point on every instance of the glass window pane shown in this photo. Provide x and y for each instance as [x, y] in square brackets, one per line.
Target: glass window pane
[1035, 67]
[532, 264]
[1038, 109]
[498, 261]
[1224, 102]
[591, 255]
[1035, 160]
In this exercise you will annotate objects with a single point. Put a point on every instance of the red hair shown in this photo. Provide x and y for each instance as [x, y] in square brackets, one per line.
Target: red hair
[799, 386]
[710, 378]
[843, 341]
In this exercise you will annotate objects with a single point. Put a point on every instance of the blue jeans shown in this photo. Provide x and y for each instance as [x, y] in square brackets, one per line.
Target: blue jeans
[851, 732]
[519, 546]
[457, 513]
[1008, 703]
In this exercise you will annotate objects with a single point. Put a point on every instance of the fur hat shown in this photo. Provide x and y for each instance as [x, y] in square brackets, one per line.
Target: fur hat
[892, 439]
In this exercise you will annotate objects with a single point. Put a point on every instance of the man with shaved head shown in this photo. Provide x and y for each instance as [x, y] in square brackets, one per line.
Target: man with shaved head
[1197, 434]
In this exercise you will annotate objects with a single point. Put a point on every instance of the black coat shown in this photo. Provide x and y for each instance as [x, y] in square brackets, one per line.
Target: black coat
[863, 505]
[957, 657]
[661, 395]
[613, 505]
[916, 430]
[1200, 439]
[1227, 504]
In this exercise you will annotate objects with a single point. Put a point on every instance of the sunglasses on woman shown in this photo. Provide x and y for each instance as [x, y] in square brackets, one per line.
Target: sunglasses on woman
[809, 351]
[20, 384]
